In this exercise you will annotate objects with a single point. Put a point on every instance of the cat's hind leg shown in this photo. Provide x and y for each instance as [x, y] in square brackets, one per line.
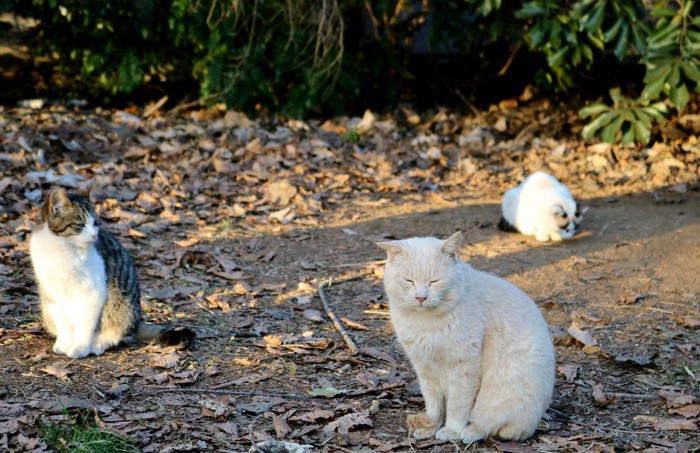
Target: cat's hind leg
[421, 426]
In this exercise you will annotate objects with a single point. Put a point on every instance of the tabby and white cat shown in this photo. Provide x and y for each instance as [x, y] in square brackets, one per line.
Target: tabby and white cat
[480, 347]
[540, 206]
[88, 288]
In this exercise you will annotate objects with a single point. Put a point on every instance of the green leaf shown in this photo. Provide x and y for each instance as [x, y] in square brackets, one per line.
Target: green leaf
[328, 392]
[610, 131]
[628, 135]
[642, 132]
[639, 39]
[675, 77]
[613, 31]
[615, 95]
[652, 89]
[679, 95]
[595, 20]
[593, 109]
[691, 71]
[531, 9]
[622, 43]
[591, 128]
[557, 59]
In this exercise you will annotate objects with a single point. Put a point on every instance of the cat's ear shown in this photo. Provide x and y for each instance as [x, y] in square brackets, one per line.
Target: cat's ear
[451, 246]
[58, 200]
[85, 188]
[392, 249]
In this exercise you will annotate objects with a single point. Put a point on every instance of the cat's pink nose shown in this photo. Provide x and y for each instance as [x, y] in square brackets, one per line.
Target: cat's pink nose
[420, 299]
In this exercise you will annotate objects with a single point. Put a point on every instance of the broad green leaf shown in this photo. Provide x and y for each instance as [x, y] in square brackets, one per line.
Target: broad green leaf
[615, 95]
[679, 95]
[662, 34]
[622, 43]
[530, 10]
[593, 109]
[653, 88]
[639, 39]
[609, 132]
[662, 12]
[644, 118]
[557, 59]
[642, 132]
[627, 135]
[613, 31]
[687, 8]
[656, 110]
[591, 128]
[691, 71]
[675, 76]
[661, 71]
[595, 19]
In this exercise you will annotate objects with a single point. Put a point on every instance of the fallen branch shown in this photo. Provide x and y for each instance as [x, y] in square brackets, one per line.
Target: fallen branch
[336, 323]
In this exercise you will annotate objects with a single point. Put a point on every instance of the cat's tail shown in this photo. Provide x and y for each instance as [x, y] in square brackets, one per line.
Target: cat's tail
[504, 225]
[180, 337]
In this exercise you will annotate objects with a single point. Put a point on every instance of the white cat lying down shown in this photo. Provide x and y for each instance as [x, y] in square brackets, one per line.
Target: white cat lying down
[542, 207]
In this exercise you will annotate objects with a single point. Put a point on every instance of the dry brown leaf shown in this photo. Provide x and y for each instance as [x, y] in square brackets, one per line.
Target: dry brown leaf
[56, 370]
[675, 399]
[600, 397]
[583, 336]
[312, 416]
[689, 411]
[687, 321]
[281, 426]
[168, 360]
[568, 371]
[668, 424]
[313, 315]
[272, 340]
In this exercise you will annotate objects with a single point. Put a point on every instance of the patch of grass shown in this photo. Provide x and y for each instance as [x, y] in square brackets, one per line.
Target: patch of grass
[85, 435]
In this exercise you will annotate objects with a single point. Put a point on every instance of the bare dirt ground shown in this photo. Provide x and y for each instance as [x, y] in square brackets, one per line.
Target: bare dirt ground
[234, 225]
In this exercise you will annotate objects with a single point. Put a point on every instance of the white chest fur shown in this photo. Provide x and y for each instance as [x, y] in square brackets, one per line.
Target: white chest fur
[68, 273]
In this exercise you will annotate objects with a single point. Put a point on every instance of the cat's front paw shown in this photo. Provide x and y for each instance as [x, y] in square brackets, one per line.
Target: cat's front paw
[421, 426]
[471, 434]
[60, 347]
[446, 433]
[98, 349]
[542, 237]
[78, 352]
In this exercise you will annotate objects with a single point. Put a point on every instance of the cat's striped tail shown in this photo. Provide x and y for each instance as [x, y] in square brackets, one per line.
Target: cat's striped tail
[180, 337]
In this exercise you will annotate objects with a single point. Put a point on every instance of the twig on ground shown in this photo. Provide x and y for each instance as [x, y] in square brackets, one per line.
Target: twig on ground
[336, 323]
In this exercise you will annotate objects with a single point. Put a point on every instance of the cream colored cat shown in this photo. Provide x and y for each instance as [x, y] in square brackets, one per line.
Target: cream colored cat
[480, 347]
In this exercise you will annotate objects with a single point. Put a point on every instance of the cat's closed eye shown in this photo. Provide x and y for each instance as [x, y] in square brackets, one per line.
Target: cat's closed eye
[407, 280]
[433, 281]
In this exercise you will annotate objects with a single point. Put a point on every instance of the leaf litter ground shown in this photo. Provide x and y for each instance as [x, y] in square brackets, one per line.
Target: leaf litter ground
[234, 224]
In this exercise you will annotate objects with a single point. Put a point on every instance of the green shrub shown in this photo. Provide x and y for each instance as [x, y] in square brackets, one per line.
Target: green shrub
[299, 56]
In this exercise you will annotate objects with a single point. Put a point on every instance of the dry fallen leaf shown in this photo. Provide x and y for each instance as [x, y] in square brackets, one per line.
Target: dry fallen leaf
[313, 315]
[56, 370]
[668, 424]
[166, 360]
[583, 336]
[689, 411]
[600, 397]
[568, 371]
